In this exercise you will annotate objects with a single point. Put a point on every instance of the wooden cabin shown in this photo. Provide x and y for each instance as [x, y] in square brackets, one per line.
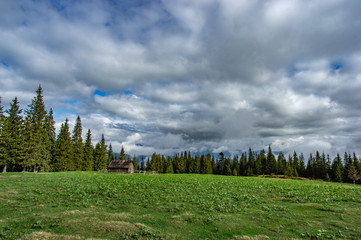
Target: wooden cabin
[121, 166]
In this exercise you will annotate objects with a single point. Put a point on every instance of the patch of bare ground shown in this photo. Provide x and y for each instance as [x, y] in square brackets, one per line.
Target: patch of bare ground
[147, 217]
[49, 236]
[94, 225]
[257, 237]
[110, 216]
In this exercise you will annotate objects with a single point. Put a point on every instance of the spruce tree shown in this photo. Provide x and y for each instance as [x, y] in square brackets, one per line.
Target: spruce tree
[135, 163]
[50, 139]
[88, 162]
[243, 165]
[169, 168]
[122, 154]
[337, 169]
[15, 141]
[110, 154]
[3, 140]
[207, 165]
[35, 135]
[100, 155]
[142, 165]
[227, 167]
[63, 152]
[281, 164]
[272, 163]
[77, 142]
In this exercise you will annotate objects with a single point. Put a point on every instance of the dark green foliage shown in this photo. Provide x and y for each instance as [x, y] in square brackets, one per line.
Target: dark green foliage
[122, 154]
[110, 154]
[337, 169]
[50, 136]
[3, 140]
[206, 165]
[227, 167]
[63, 152]
[77, 142]
[271, 162]
[134, 162]
[88, 162]
[100, 155]
[281, 164]
[14, 129]
[169, 168]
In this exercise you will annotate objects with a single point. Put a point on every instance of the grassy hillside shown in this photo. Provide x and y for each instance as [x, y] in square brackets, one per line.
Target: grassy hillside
[81, 205]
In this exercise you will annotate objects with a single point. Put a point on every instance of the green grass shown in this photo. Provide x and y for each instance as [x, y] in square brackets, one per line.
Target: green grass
[82, 205]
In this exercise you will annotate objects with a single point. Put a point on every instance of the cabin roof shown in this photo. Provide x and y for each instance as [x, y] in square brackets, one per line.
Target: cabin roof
[120, 164]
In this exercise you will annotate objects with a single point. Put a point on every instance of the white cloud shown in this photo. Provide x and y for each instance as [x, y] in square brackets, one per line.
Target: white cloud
[202, 74]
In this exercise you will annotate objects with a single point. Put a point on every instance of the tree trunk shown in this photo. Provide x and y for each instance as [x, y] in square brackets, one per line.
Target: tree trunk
[4, 169]
[24, 169]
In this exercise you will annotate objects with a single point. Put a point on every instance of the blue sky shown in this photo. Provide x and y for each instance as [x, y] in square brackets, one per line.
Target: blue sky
[207, 75]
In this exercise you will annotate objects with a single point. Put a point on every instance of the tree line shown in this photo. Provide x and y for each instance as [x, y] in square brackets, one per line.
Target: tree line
[318, 166]
[28, 142]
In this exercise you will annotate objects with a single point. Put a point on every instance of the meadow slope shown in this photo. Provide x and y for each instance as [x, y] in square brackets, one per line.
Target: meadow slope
[83, 205]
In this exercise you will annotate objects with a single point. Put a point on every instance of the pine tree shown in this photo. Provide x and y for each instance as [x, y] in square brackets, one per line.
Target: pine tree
[302, 170]
[337, 169]
[281, 164]
[243, 165]
[88, 163]
[296, 163]
[227, 167]
[77, 142]
[250, 163]
[38, 154]
[15, 141]
[169, 168]
[142, 165]
[206, 165]
[3, 140]
[135, 163]
[50, 139]
[122, 154]
[272, 163]
[63, 152]
[110, 155]
[100, 155]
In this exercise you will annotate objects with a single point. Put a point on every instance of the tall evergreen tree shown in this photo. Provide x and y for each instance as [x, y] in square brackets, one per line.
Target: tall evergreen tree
[3, 140]
[35, 134]
[281, 163]
[243, 165]
[122, 154]
[135, 163]
[110, 154]
[337, 169]
[88, 163]
[100, 155]
[142, 165]
[15, 141]
[169, 168]
[63, 152]
[206, 166]
[226, 167]
[50, 138]
[271, 160]
[77, 142]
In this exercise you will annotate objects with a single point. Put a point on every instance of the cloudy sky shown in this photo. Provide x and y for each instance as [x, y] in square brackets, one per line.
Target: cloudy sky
[205, 75]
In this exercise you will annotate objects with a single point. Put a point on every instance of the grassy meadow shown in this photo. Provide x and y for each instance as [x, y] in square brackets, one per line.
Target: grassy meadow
[90, 205]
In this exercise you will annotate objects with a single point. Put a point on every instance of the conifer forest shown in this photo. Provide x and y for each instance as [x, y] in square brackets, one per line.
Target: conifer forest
[28, 142]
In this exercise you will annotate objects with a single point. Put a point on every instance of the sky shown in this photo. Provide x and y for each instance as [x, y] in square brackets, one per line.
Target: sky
[184, 75]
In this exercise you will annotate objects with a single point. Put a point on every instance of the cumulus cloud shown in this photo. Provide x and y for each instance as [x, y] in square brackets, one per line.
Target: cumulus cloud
[191, 75]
